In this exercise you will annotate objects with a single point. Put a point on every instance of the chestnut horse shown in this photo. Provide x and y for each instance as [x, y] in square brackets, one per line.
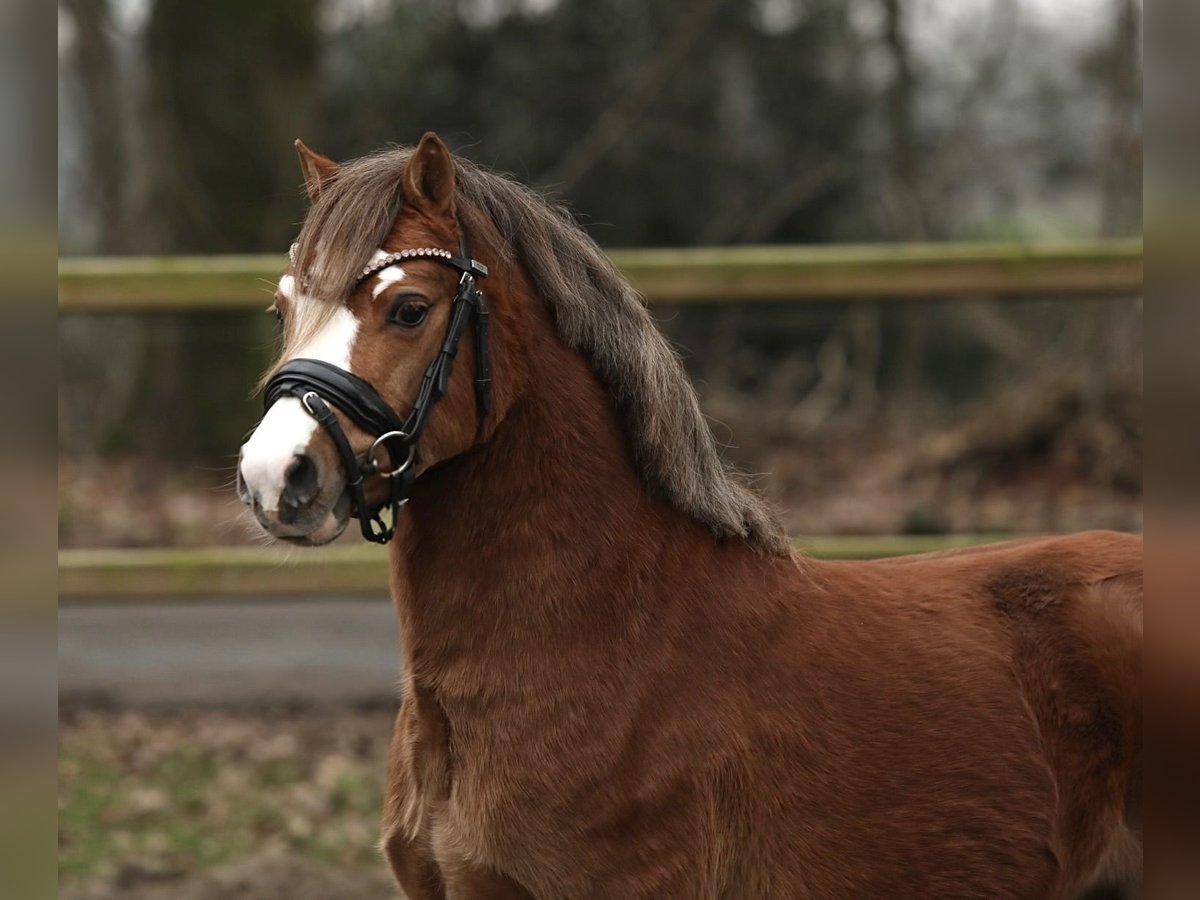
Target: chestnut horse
[618, 678]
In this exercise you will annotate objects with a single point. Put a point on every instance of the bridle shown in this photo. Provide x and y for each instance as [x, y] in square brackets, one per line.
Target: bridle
[318, 384]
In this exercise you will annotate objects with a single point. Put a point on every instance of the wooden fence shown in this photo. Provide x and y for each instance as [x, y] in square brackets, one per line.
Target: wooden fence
[692, 275]
[125, 576]
[869, 272]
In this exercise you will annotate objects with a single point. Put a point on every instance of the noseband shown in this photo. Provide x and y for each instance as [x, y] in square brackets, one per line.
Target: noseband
[318, 384]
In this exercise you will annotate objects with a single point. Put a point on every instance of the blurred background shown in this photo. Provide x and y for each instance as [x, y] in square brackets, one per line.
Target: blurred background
[190, 760]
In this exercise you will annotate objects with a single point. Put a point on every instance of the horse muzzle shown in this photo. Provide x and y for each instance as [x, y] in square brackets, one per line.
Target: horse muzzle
[294, 487]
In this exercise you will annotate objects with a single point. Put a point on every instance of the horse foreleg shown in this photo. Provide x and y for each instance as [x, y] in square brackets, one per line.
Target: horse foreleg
[414, 778]
[413, 867]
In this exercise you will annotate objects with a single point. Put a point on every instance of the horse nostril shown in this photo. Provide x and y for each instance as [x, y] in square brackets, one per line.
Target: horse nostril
[299, 482]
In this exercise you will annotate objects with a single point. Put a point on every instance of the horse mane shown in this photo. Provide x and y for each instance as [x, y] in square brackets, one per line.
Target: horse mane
[595, 310]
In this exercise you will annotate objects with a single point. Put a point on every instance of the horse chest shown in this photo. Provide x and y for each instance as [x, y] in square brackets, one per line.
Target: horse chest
[476, 807]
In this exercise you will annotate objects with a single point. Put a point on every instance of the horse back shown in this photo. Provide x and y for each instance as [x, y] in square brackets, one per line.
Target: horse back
[1069, 610]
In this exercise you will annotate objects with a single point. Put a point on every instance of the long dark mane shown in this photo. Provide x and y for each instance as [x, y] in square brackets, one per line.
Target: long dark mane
[595, 309]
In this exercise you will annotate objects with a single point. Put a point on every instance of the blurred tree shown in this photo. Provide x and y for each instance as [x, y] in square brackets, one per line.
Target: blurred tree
[907, 209]
[94, 395]
[907, 194]
[665, 122]
[1118, 67]
[229, 86]
[104, 127]
[672, 122]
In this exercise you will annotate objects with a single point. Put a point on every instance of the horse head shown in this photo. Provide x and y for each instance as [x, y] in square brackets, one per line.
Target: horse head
[375, 382]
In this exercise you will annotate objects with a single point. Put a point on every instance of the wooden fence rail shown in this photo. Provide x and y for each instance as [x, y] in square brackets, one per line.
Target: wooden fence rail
[182, 574]
[691, 275]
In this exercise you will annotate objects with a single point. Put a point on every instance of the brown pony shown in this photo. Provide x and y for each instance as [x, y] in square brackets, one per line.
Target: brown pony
[618, 678]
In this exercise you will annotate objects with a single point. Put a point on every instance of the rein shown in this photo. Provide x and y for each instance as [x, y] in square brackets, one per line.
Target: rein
[318, 384]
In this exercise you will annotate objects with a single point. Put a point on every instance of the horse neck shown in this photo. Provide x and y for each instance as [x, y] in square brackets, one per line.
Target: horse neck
[540, 531]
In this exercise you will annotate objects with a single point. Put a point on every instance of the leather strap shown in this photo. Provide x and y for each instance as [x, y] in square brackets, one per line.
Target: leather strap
[373, 527]
[349, 393]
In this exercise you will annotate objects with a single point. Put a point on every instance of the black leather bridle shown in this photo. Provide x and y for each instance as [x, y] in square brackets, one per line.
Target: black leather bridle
[318, 384]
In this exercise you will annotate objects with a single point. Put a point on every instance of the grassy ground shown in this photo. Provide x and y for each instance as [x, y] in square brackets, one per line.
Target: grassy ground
[155, 804]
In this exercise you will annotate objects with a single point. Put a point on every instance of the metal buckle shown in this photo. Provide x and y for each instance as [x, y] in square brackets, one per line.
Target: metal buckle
[304, 402]
[386, 436]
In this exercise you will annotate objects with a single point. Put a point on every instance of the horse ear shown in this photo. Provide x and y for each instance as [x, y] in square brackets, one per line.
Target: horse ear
[429, 177]
[317, 169]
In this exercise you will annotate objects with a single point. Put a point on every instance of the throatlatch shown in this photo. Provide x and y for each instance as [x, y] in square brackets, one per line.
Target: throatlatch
[319, 384]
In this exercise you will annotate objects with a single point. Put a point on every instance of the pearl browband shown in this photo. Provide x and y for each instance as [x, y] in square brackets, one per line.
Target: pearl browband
[392, 258]
[474, 267]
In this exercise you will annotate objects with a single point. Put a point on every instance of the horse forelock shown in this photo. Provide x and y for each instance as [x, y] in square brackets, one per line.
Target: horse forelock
[596, 312]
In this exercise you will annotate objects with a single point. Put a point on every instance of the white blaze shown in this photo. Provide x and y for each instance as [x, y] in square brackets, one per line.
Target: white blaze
[334, 342]
[286, 428]
[386, 278]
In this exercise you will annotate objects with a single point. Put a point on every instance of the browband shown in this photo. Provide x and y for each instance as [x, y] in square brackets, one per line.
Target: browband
[463, 263]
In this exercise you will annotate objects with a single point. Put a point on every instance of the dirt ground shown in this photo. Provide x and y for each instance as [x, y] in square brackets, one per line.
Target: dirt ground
[264, 876]
[198, 804]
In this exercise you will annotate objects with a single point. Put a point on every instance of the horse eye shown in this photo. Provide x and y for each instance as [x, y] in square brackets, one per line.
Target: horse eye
[279, 316]
[409, 314]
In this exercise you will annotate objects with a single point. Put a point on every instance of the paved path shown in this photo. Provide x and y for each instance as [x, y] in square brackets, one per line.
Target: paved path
[343, 651]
